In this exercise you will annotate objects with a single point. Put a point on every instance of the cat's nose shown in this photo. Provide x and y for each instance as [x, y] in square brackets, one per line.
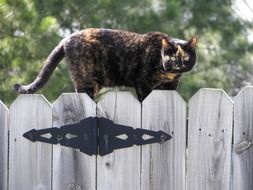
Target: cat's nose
[176, 68]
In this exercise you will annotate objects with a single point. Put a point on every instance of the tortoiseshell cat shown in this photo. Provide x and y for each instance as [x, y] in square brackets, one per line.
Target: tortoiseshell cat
[106, 58]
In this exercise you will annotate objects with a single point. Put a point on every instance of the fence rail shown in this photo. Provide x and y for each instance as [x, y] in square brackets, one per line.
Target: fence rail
[210, 147]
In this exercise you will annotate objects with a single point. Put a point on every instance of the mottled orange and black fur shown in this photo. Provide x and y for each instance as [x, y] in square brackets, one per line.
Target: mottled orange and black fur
[106, 58]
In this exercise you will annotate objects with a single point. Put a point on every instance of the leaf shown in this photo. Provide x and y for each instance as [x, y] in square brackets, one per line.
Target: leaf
[48, 24]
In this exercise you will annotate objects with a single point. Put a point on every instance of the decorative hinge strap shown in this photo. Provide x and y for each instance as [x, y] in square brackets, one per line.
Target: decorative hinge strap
[94, 136]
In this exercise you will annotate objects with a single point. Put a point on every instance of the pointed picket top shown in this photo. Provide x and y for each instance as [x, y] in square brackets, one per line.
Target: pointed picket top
[170, 93]
[3, 106]
[4, 120]
[115, 98]
[71, 168]
[209, 103]
[245, 91]
[210, 124]
[243, 136]
[32, 169]
[122, 108]
[209, 92]
[163, 165]
[72, 107]
[113, 95]
[27, 97]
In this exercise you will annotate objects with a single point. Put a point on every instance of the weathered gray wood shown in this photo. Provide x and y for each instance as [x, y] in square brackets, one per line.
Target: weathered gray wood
[30, 163]
[3, 145]
[243, 133]
[120, 170]
[209, 140]
[73, 170]
[163, 165]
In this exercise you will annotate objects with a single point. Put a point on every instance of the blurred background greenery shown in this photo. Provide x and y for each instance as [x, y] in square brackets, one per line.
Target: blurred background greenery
[29, 30]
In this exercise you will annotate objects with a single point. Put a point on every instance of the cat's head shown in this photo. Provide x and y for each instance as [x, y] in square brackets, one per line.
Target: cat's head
[178, 56]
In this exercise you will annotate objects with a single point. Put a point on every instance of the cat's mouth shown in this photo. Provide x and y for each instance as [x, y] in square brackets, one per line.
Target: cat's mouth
[174, 69]
[177, 70]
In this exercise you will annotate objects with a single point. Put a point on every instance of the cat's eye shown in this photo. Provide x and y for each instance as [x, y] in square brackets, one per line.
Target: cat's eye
[186, 58]
[173, 58]
[167, 58]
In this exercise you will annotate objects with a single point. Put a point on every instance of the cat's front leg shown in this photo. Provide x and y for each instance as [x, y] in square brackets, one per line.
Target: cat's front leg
[142, 92]
[91, 90]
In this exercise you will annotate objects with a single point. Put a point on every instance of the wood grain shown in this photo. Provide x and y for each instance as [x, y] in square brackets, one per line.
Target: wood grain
[243, 132]
[30, 163]
[4, 112]
[120, 170]
[210, 140]
[163, 165]
[73, 170]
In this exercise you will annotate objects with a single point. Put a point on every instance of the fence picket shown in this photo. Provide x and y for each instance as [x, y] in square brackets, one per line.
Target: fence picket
[209, 140]
[120, 169]
[71, 168]
[30, 163]
[206, 165]
[3, 146]
[163, 165]
[243, 134]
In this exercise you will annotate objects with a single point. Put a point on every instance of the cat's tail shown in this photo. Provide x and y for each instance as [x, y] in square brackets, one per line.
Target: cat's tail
[52, 61]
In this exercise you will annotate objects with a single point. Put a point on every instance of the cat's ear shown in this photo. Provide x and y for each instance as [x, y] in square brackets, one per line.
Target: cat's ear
[165, 44]
[192, 43]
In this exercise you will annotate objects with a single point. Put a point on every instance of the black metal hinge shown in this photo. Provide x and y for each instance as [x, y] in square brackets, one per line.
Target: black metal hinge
[95, 135]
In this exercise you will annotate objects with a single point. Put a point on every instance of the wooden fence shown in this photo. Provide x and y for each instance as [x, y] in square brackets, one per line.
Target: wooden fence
[210, 147]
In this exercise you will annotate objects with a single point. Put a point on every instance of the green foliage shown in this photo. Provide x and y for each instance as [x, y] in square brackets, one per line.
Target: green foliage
[29, 29]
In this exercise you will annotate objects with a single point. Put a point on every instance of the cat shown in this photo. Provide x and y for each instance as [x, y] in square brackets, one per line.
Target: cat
[106, 58]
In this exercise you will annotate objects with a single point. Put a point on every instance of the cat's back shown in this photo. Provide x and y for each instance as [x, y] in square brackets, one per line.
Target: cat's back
[107, 33]
[111, 36]
[103, 37]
